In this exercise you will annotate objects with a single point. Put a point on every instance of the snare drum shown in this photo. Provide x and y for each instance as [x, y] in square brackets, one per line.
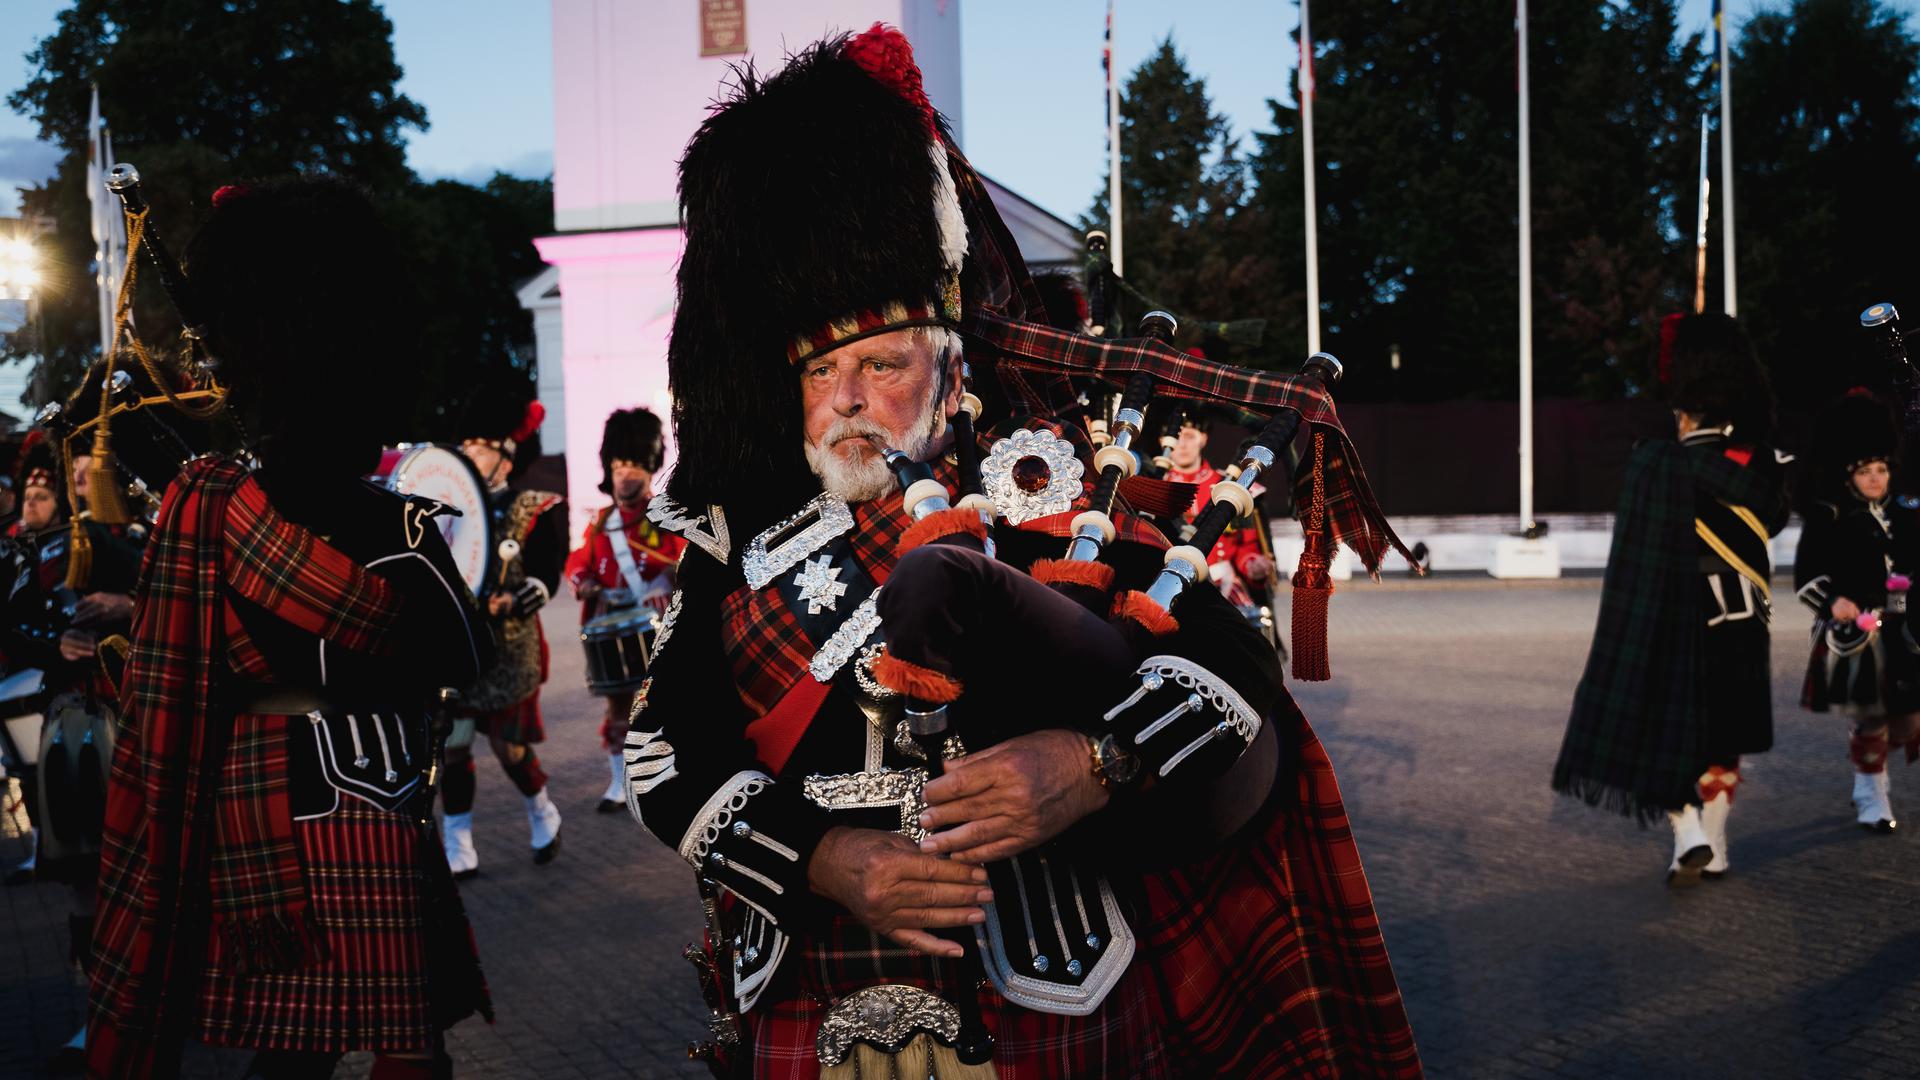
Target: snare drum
[619, 645]
[445, 475]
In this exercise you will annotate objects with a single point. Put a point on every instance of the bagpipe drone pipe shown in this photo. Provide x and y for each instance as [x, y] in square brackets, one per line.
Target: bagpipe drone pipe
[138, 415]
[1172, 685]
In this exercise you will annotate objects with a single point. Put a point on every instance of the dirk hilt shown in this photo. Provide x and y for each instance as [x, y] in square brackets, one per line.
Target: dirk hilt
[1233, 499]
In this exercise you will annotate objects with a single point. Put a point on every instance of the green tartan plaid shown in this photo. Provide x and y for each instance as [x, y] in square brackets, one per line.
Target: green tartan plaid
[1636, 740]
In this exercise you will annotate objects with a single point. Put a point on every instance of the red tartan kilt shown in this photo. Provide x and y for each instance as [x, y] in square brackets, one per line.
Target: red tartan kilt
[1118, 1040]
[371, 989]
[1269, 954]
[519, 723]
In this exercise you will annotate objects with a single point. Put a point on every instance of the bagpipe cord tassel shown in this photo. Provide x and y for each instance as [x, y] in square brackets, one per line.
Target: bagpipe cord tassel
[1312, 584]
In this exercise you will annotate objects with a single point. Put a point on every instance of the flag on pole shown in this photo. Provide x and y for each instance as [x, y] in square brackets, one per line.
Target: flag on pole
[109, 227]
[1106, 63]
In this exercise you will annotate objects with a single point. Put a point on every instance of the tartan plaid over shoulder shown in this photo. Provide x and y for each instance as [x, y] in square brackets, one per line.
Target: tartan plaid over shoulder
[1034, 365]
[192, 868]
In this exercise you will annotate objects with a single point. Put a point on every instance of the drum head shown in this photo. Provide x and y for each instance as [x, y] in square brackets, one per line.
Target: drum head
[445, 475]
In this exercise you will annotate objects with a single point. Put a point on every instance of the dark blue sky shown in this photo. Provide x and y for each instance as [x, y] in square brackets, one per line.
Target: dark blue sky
[1033, 93]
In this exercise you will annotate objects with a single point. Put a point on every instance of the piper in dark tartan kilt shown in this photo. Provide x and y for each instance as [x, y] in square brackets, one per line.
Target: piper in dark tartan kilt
[530, 544]
[1676, 686]
[1859, 547]
[819, 295]
[270, 877]
[624, 559]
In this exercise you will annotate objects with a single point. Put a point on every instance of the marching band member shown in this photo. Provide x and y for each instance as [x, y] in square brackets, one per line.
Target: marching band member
[625, 557]
[57, 629]
[270, 878]
[1859, 546]
[529, 532]
[819, 293]
[1676, 686]
[1238, 564]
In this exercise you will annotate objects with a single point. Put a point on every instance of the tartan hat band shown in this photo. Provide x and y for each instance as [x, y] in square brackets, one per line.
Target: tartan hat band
[895, 315]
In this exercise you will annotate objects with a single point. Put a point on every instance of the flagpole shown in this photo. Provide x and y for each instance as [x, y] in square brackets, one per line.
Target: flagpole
[1726, 156]
[101, 224]
[1313, 203]
[1113, 150]
[1700, 232]
[1526, 284]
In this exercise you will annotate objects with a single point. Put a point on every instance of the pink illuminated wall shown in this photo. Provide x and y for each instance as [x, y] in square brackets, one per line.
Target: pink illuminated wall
[630, 87]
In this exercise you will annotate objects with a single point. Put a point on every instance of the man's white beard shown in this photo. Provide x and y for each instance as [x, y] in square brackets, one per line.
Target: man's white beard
[868, 478]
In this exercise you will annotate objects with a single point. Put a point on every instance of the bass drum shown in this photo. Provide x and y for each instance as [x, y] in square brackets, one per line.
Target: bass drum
[444, 475]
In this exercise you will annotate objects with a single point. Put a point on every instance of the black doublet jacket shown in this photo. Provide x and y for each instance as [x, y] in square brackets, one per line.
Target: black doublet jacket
[700, 782]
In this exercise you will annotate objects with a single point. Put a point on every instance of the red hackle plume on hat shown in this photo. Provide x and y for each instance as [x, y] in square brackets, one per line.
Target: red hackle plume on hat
[1669, 332]
[229, 191]
[885, 53]
[536, 415]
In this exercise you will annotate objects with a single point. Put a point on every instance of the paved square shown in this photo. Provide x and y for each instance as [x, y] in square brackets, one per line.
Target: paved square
[1532, 936]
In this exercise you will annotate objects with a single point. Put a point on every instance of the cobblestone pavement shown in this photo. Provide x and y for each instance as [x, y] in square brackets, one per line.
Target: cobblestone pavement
[1532, 936]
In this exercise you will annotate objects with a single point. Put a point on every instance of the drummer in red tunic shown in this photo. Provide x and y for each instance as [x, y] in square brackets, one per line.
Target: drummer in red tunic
[1240, 564]
[607, 574]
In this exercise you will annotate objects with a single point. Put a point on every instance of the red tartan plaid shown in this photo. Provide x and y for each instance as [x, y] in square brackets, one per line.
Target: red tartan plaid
[181, 850]
[1270, 955]
[1033, 361]
[1121, 1038]
[371, 991]
[517, 723]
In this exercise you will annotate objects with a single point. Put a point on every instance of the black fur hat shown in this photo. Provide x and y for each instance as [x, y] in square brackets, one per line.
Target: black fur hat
[1712, 371]
[631, 435]
[1851, 432]
[504, 412]
[822, 203]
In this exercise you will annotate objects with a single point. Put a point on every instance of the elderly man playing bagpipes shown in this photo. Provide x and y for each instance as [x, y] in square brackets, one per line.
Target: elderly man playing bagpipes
[945, 781]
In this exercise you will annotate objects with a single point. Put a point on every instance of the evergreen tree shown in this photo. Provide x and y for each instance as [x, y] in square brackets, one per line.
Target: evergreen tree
[1190, 244]
[1415, 130]
[1827, 154]
[200, 95]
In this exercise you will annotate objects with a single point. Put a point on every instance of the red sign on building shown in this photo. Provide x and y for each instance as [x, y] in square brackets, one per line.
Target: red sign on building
[723, 27]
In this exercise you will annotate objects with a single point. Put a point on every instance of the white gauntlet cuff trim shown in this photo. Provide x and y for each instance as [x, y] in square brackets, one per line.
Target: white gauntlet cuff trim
[1815, 593]
[718, 813]
[1236, 715]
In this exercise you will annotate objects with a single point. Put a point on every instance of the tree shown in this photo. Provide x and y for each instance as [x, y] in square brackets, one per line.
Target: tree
[1190, 240]
[1416, 120]
[1827, 151]
[200, 95]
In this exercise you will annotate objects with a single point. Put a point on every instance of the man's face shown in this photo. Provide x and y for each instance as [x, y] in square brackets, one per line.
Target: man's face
[6, 500]
[874, 394]
[631, 483]
[81, 463]
[37, 509]
[1186, 452]
[494, 466]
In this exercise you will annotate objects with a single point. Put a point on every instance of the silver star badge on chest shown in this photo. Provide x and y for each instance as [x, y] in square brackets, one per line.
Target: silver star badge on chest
[820, 585]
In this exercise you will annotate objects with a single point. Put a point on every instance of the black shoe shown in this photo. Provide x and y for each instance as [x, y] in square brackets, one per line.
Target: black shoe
[66, 1061]
[544, 855]
[466, 875]
[1692, 866]
[17, 875]
[609, 806]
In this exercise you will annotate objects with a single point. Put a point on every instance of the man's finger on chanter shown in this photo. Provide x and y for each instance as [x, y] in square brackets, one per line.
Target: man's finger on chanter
[933, 894]
[922, 942]
[930, 868]
[935, 917]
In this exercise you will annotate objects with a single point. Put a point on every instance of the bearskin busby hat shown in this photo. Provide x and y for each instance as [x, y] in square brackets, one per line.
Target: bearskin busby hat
[38, 465]
[630, 435]
[1851, 432]
[822, 204]
[1709, 368]
[504, 414]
